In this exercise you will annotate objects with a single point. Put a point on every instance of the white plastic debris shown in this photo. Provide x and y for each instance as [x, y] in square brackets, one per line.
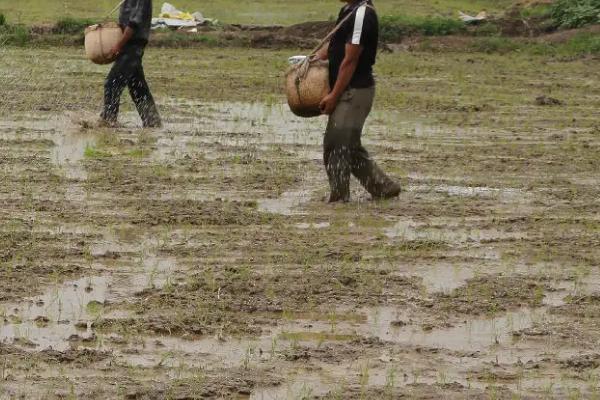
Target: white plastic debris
[171, 17]
[199, 17]
[170, 11]
[296, 59]
[469, 19]
[172, 23]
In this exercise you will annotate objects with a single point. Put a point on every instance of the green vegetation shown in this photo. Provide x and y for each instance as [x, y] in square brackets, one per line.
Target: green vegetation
[70, 25]
[536, 11]
[247, 12]
[580, 45]
[2, 20]
[16, 35]
[94, 153]
[394, 28]
[495, 44]
[583, 43]
[576, 13]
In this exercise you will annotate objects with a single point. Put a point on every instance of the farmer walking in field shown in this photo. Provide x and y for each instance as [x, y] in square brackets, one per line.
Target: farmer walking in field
[351, 53]
[135, 19]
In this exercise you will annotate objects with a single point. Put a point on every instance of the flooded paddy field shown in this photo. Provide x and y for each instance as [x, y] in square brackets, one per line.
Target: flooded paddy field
[200, 260]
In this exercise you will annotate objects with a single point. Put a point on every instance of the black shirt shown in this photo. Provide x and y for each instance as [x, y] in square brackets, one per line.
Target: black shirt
[362, 28]
[137, 14]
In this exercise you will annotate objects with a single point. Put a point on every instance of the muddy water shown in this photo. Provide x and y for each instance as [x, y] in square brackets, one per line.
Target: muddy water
[469, 191]
[240, 124]
[315, 225]
[286, 204]
[70, 143]
[483, 340]
[490, 336]
[120, 267]
[49, 320]
[63, 315]
[474, 335]
[411, 230]
[213, 352]
[440, 277]
[301, 384]
[69, 151]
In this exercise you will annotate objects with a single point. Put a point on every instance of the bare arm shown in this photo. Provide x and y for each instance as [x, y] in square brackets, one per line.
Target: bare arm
[135, 20]
[347, 69]
[127, 35]
[345, 74]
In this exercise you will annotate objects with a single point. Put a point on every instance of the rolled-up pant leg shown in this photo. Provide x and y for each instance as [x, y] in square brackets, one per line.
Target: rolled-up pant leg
[343, 150]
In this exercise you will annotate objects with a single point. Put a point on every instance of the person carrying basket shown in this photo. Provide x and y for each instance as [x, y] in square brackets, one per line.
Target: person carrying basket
[135, 19]
[351, 53]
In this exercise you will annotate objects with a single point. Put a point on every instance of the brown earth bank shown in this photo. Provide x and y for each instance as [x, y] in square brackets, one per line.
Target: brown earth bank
[307, 35]
[457, 43]
[303, 35]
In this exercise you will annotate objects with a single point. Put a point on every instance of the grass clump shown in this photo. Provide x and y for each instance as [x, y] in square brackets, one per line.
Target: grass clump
[576, 13]
[70, 25]
[2, 19]
[16, 35]
[395, 27]
[536, 11]
[91, 152]
[495, 44]
[583, 44]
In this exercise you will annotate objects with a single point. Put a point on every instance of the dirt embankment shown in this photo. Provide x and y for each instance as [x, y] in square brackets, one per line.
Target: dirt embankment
[470, 43]
[305, 35]
[512, 24]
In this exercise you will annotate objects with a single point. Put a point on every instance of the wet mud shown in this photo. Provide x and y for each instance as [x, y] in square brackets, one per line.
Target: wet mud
[200, 260]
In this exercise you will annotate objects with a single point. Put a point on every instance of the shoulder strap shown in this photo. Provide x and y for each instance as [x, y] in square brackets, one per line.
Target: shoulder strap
[337, 28]
[114, 9]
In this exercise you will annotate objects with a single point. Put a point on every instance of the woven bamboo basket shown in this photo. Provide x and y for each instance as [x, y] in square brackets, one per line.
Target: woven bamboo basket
[306, 84]
[99, 39]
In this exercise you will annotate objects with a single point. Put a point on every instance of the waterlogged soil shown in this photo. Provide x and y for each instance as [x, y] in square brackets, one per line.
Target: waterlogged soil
[200, 260]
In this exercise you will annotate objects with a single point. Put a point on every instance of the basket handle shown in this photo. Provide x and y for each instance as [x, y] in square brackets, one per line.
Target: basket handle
[113, 10]
[335, 30]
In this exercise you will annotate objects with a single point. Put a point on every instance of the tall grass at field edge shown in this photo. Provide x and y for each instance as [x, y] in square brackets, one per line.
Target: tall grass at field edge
[71, 26]
[583, 44]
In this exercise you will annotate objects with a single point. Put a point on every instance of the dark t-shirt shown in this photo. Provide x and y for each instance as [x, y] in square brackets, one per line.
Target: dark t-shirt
[362, 28]
[137, 14]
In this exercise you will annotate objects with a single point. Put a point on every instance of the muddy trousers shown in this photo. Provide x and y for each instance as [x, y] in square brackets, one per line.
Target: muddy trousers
[343, 151]
[128, 71]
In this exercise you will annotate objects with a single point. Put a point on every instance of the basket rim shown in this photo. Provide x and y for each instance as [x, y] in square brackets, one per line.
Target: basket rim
[315, 63]
[105, 25]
